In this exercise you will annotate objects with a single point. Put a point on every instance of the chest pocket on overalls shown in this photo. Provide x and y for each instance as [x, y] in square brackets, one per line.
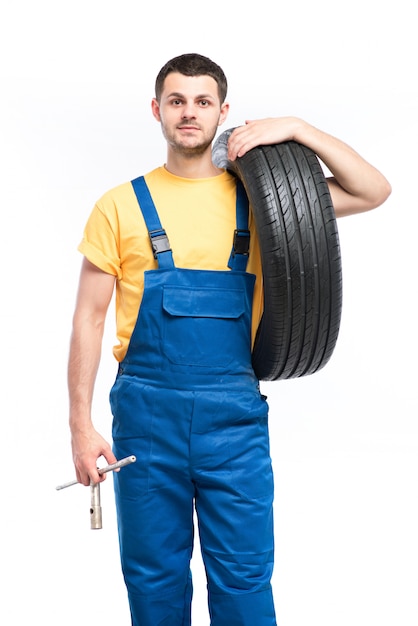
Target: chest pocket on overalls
[202, 325]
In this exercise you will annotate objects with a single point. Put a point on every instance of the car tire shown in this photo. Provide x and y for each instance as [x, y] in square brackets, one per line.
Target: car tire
[300, 255]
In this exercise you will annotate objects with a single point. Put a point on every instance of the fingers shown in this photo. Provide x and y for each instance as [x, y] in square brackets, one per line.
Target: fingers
[239, 142]
[96, 476]
[261, 132]
[244, 138]
[87, 472]
[86, 454]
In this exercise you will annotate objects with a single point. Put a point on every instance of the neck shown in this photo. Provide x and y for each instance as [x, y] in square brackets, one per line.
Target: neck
[192, 167]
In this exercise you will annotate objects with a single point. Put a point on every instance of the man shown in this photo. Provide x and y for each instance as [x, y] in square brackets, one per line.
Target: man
[186, 401]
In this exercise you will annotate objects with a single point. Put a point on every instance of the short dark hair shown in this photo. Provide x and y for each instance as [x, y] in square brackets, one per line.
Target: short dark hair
[192, 65]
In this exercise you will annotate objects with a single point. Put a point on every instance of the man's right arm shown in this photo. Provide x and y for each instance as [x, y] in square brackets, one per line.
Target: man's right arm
[94, 295]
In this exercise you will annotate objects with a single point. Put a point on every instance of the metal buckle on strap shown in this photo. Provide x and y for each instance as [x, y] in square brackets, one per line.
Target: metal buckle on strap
[159, 241]
[241, 241]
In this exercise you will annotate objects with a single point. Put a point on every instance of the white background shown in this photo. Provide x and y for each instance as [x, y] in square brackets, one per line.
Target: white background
[76, 84]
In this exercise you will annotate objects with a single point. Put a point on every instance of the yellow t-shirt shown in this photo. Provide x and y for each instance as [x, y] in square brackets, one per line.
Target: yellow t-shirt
[199, 217]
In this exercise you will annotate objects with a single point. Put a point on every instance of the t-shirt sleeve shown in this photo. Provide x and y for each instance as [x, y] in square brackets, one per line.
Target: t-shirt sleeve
[100, 242]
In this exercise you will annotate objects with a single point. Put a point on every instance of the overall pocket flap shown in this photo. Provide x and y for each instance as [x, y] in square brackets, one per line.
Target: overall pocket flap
[204, 302]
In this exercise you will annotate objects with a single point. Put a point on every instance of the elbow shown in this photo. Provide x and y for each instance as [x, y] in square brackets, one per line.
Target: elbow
[368, 197]
[388, 190]
[379, 196]
[376, 196]
[382, 193]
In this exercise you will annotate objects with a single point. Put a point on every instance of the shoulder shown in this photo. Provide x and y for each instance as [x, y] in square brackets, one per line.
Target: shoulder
[124, 191]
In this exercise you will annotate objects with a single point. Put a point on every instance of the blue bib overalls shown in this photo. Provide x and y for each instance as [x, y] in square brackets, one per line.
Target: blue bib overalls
[187, 403]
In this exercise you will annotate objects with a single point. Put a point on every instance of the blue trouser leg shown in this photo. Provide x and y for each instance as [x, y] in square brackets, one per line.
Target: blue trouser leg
[156, 538]
[234, 503]
[169, 609]
[155, 507]
[238, 558]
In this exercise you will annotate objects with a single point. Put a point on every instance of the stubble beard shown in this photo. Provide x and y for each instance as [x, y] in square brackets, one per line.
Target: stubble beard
[190, 152]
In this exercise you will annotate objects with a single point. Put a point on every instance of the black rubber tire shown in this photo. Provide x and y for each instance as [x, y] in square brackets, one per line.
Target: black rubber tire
[300, 255]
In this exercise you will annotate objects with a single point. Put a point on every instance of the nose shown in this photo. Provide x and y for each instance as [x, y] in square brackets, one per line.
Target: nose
[189, 111]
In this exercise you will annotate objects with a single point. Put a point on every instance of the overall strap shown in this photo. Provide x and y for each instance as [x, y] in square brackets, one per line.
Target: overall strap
[158, 237]
[241, 244]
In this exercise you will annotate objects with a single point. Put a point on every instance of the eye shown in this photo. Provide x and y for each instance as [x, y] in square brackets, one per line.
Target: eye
[204, 103]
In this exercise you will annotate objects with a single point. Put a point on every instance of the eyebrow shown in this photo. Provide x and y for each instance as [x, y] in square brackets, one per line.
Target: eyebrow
[202, 96]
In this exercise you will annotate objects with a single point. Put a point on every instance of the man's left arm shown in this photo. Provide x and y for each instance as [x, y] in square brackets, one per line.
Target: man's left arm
[355, 185]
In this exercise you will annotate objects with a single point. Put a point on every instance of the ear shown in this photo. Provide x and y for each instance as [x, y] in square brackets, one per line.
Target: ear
[224, 113]
[156, 109]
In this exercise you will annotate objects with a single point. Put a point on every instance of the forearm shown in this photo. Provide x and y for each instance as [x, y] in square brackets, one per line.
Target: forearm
[83, 364]
[86, 443]
[355, 185]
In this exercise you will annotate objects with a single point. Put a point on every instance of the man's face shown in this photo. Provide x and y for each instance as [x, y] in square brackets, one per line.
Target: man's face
[189, 112]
